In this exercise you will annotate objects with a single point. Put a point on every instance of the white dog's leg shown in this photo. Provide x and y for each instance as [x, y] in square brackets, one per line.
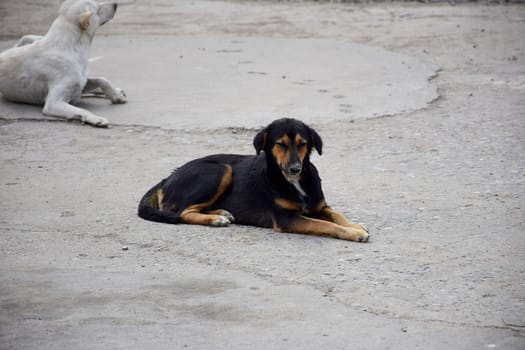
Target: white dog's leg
[63, 109]
[28, 39]
[116, 95]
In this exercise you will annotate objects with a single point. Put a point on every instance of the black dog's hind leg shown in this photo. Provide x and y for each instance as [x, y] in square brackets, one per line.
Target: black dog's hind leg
[221, 212]
[198, 214]
[151, 207]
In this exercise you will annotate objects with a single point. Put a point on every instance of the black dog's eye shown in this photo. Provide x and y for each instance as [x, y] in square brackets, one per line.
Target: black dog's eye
[301, 144]
[282, 145]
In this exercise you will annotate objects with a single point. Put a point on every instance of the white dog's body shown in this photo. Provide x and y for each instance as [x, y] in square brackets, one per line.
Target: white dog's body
[52, 70]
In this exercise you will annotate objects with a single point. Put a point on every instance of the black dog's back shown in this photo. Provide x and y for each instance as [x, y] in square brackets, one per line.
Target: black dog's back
[249, 198]
[197, 182]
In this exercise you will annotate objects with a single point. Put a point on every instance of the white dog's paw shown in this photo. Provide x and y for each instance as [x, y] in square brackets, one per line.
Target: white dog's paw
[118, 96]
[94, 120]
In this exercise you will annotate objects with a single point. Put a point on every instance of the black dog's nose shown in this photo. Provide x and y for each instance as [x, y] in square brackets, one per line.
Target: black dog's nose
[294, 170]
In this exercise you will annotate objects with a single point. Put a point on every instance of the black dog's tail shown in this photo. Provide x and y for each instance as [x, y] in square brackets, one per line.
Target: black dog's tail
[150, 207]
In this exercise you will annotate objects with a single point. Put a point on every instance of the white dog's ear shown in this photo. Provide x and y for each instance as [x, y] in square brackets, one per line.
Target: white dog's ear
[85, 20]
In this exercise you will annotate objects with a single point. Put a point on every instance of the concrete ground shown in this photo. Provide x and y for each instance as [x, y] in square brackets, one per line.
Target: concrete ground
[420, 107]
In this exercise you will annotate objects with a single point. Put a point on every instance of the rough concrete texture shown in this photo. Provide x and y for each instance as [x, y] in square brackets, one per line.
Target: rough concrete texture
[438, 180]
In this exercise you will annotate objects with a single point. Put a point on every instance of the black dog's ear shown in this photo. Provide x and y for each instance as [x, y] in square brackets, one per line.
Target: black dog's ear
[259, 141]
[316, 141]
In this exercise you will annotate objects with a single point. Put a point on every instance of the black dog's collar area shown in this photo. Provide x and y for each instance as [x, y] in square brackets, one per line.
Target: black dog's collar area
[294, 180]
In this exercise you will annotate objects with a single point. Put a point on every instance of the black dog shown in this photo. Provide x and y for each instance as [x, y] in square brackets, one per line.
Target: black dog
[279, 188]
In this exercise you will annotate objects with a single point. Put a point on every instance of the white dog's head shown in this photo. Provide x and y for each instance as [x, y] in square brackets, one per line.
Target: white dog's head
[88, 14]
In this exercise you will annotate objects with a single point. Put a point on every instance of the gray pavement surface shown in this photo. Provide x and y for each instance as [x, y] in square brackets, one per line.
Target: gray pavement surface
[421, 111]
[214, 75]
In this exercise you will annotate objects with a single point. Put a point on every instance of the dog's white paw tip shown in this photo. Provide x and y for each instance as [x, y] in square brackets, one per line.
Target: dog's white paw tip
[119, 96]
[228, 216]
[221, 221]
[98, 122]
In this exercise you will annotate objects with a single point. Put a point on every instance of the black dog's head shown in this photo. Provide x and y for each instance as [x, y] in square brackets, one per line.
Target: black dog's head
[289, 142]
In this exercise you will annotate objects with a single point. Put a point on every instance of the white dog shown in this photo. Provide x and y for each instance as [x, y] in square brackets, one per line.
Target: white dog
[52, 70]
